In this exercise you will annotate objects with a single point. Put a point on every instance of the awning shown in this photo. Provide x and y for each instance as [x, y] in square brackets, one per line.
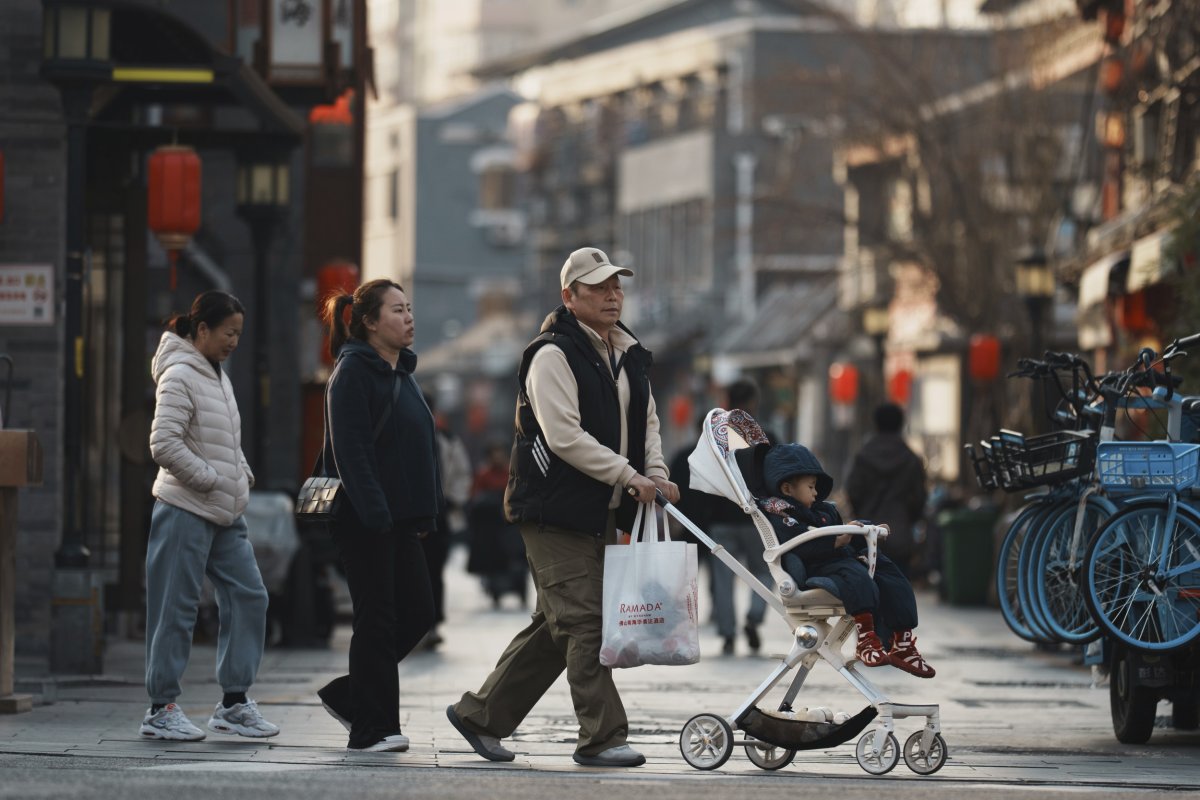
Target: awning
[1148, 264]
[1094, 283]
[783, 330]
[1095, 328]
[491, 347]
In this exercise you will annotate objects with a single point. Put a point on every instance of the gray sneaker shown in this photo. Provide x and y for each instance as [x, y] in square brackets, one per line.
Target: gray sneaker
[620, 756]
[487, 746]
[169, 722]
[241, 719]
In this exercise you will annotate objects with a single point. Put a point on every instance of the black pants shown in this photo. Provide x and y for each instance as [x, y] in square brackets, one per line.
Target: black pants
[436, 547]
[889, 597]
[393, 609]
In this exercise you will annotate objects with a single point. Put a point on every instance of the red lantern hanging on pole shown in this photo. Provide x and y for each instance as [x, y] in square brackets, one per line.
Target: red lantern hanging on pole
[900, 387]
[173, 199]
[843, 383]
[336, 277]
[983, 358]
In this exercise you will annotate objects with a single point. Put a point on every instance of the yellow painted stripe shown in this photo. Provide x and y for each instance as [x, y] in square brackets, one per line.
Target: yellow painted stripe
[152, 75]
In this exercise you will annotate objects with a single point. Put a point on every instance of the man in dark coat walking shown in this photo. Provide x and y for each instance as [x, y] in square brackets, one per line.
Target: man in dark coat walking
[886, 484]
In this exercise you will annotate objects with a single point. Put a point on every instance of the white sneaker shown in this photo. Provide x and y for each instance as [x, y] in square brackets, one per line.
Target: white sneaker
[169, 722]
[396, 743]
[241, 719]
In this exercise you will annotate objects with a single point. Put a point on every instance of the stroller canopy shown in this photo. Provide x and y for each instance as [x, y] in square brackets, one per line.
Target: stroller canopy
[728, 458]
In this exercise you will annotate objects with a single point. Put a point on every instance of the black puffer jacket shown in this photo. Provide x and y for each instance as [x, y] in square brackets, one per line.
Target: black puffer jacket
[886, 484]
[391, 482]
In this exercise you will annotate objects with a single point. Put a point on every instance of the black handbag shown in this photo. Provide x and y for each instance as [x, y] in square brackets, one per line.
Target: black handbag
[320, 497]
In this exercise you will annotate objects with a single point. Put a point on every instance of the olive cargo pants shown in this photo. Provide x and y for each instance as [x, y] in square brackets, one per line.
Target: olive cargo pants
[568, 572]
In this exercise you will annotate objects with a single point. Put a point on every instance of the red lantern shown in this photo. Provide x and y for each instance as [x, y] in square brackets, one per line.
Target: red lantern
[173, 201]
[338, 112]
[337, 277]
[843, 383]
[900, 387]
[681, 411]
[1131, 313]
[983, 361]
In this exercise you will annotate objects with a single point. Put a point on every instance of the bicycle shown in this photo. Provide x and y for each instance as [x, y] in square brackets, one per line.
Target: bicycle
[1040, 602]
[1143, 564]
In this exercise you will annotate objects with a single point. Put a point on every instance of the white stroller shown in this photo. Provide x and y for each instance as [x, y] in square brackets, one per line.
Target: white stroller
[727, 461]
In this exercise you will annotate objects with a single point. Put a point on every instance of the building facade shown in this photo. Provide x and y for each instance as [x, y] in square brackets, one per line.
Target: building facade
[92, 90]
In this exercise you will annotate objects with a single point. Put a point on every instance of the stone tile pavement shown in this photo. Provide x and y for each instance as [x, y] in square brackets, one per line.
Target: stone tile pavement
[1010, 714]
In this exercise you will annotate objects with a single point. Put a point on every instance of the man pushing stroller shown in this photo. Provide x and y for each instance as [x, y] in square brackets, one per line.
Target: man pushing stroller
[794, 473]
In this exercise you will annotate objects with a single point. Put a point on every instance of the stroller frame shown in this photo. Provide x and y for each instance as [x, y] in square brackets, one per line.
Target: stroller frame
[820, 627]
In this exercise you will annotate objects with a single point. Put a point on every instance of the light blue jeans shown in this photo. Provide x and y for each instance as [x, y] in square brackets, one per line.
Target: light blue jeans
[743, 543]
[183, 548]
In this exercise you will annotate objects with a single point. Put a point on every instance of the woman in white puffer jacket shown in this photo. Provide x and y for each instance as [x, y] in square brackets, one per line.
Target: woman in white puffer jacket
[197, 527]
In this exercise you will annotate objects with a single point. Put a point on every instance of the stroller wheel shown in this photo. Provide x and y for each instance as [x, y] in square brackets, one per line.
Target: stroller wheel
[928, 762]
[889, 753]
[768, 756]
[706, 741]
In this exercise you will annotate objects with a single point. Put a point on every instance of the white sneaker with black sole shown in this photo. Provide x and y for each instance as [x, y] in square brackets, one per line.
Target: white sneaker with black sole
[241, 719]
[396, 743]
[169, 722]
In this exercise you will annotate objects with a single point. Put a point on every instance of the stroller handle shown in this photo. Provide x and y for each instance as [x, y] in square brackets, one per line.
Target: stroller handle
[873, 533]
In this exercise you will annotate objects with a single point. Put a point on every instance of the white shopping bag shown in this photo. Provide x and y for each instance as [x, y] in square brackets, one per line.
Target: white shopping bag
[650, 599]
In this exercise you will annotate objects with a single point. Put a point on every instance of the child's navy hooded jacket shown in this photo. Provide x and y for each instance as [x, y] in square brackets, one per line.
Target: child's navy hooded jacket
[784, 462]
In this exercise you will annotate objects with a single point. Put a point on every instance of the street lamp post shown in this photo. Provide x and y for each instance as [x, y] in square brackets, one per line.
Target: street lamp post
[263, 187]
[75, 58]
[876, 321]
[1035, 284]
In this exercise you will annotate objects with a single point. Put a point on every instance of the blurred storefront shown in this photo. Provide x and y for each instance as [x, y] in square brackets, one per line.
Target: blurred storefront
[110, 92]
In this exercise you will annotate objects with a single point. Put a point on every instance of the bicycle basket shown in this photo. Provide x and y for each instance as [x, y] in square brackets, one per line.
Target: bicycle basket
[985, 475]
[1132, 466]
[1026, 461]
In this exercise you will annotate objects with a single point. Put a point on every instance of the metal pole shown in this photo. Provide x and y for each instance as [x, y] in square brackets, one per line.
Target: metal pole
[261, 233]
[72, 551]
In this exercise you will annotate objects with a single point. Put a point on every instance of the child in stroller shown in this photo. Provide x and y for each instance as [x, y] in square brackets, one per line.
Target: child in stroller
[794, 472]
[729, 461]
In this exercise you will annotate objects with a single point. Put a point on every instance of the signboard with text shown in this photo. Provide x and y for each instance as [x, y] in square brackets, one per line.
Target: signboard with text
[297, 40]
[26, 294]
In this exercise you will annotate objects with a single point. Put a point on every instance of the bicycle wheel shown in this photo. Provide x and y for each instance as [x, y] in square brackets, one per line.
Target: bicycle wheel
[1142, 599]
[1027, 565]
[1027, 577]
[1060, 589]
[1007, 563]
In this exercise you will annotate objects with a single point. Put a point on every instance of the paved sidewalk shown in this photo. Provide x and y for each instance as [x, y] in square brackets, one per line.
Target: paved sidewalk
[1009, 713]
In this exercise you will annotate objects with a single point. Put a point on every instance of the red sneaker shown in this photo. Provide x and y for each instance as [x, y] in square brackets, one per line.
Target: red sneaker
[870, 650]
[904, 655]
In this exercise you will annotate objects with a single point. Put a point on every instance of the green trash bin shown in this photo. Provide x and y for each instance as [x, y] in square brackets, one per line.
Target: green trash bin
[967, 554]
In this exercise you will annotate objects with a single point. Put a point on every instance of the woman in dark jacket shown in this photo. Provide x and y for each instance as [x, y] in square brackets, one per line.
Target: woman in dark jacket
[379, 440]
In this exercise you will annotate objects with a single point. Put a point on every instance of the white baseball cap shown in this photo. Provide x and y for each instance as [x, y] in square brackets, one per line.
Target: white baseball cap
[590, 265]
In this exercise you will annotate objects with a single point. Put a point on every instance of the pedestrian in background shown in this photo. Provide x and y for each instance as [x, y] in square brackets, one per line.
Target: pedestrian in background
[587, 445]
[497, 553]
[732, 529]
[886, 484]
[380, 441]
[455, 465]
[197, 527]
